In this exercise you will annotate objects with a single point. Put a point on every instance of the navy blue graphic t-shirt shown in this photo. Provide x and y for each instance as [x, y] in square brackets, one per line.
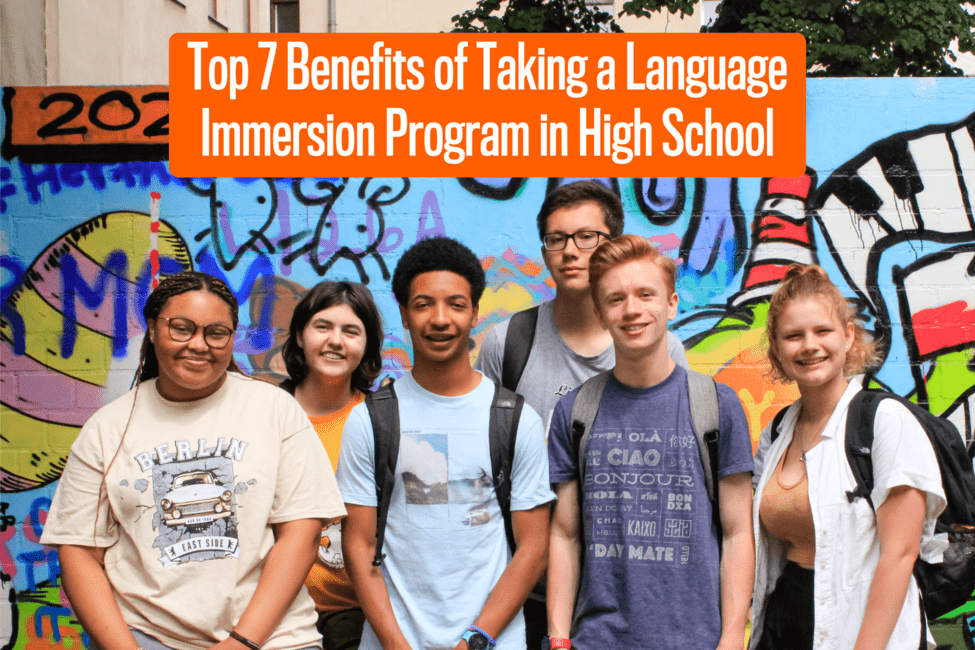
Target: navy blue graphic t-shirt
[650, 572]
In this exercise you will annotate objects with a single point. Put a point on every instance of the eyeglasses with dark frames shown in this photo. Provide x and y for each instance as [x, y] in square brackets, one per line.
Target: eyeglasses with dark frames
[182, 330]
[584, 239]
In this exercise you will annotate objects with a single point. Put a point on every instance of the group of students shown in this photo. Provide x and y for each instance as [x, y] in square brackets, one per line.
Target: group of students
[194, 509]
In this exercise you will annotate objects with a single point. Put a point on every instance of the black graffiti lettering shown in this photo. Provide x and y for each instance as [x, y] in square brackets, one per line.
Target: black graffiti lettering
[54, 127]
[160, 127]
[123, 98]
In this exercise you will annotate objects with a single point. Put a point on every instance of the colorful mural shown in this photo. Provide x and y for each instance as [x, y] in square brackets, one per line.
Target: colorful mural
[885, 205]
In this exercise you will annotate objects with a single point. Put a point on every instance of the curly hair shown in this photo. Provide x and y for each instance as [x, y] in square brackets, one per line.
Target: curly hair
[322, 296]
[438, 254]
[807, 281]
[175, 285]
[572, 194]
[627, 248]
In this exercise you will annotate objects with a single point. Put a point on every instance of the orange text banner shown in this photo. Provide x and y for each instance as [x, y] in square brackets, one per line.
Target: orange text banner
[487, 105]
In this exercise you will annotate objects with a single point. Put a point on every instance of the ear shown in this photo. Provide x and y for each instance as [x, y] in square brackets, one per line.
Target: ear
[151, 329]
[299, 339]
[672, 306]
[850, 335]
[404, 318]
[474, 316]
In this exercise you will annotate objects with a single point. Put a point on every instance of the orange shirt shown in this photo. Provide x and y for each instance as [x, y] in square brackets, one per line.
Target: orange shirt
[327, 582]
[785, 512]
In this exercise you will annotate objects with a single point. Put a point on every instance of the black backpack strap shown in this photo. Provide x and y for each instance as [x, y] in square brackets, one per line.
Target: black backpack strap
[506, 410]
[859, 441]
[383, 410]
[777, 425]
[517, 346]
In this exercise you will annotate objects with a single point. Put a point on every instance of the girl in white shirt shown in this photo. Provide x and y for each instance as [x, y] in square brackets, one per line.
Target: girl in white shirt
[831, 573]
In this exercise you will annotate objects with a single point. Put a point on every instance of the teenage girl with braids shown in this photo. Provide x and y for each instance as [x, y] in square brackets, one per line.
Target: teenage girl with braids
[830, 572]
[333, 356]
[190, 509]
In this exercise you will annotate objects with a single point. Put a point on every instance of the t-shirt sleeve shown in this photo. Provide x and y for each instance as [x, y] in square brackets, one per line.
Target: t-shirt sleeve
[306, 487]
[491, 355]
[357, 474]
[562, 458]
[675, 348]
[529, 475]
[902, 455]
[80, 514]
[734, 442]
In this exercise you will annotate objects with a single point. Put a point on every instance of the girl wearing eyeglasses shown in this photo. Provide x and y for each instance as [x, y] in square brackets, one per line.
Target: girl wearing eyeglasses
[190, 508]
[333, 357]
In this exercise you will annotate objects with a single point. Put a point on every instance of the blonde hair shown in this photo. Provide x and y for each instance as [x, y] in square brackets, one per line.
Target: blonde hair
[627, 248]
[812, 281]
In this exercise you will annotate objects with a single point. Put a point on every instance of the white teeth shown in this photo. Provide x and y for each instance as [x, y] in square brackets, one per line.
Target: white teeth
[332, 355]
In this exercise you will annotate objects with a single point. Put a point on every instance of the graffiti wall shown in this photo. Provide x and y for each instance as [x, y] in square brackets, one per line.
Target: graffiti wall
[885, 206]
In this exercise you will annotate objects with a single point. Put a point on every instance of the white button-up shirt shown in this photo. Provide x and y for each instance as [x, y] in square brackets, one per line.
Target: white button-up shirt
[847, 541]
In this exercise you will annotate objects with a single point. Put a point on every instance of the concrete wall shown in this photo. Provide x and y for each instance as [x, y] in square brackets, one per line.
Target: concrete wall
[886, 207]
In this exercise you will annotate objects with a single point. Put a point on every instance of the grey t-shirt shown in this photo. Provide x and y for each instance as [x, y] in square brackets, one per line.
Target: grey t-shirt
[553, 368]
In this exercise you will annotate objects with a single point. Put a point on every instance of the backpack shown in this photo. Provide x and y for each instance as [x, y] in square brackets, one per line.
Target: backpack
[949, 584]
[517, 346]
[383, 407]
[703, 397]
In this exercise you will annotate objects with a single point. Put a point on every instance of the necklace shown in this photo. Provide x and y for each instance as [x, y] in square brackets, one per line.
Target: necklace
[802, 438]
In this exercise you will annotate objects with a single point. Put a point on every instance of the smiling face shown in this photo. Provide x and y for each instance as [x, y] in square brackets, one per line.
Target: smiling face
[634, 304]
[334, 342]
[811, 343]
[570, 266]
[440, 315]
[191, 370]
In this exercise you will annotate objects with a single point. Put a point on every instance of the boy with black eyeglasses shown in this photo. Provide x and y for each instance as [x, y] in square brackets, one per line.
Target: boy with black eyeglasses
[560, 344]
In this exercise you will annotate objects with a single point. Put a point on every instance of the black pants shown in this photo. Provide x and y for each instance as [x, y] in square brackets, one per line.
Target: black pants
[789, 612]
[341, 630]
[536, 623]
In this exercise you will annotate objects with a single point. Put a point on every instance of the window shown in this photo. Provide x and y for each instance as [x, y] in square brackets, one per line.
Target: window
[284, 16]
[709, 12]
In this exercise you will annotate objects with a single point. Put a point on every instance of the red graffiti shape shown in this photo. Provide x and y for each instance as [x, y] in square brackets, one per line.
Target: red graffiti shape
[944, 327]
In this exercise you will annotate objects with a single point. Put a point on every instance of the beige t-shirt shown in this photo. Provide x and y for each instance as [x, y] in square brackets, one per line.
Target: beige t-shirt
[186, 507]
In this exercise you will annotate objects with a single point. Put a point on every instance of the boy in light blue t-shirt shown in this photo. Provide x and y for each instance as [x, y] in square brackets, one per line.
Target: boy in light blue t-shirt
[448, 580]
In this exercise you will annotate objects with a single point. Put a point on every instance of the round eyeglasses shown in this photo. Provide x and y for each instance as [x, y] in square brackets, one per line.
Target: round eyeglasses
[584, 239]
[182, 330]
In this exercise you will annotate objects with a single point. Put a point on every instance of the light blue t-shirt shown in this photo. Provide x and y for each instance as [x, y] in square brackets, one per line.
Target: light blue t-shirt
[445, 542]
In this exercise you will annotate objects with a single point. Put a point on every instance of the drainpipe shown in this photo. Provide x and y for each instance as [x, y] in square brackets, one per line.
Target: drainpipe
[331, 16]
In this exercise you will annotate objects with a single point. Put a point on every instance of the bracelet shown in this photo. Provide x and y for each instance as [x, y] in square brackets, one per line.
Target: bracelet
[490, 639]
[250, 644]
[560, 643]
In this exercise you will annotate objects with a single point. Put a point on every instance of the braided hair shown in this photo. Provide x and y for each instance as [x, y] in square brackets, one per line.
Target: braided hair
[175, 285]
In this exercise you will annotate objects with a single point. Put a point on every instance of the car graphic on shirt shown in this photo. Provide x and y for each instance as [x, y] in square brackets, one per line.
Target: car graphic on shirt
[195, 499]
